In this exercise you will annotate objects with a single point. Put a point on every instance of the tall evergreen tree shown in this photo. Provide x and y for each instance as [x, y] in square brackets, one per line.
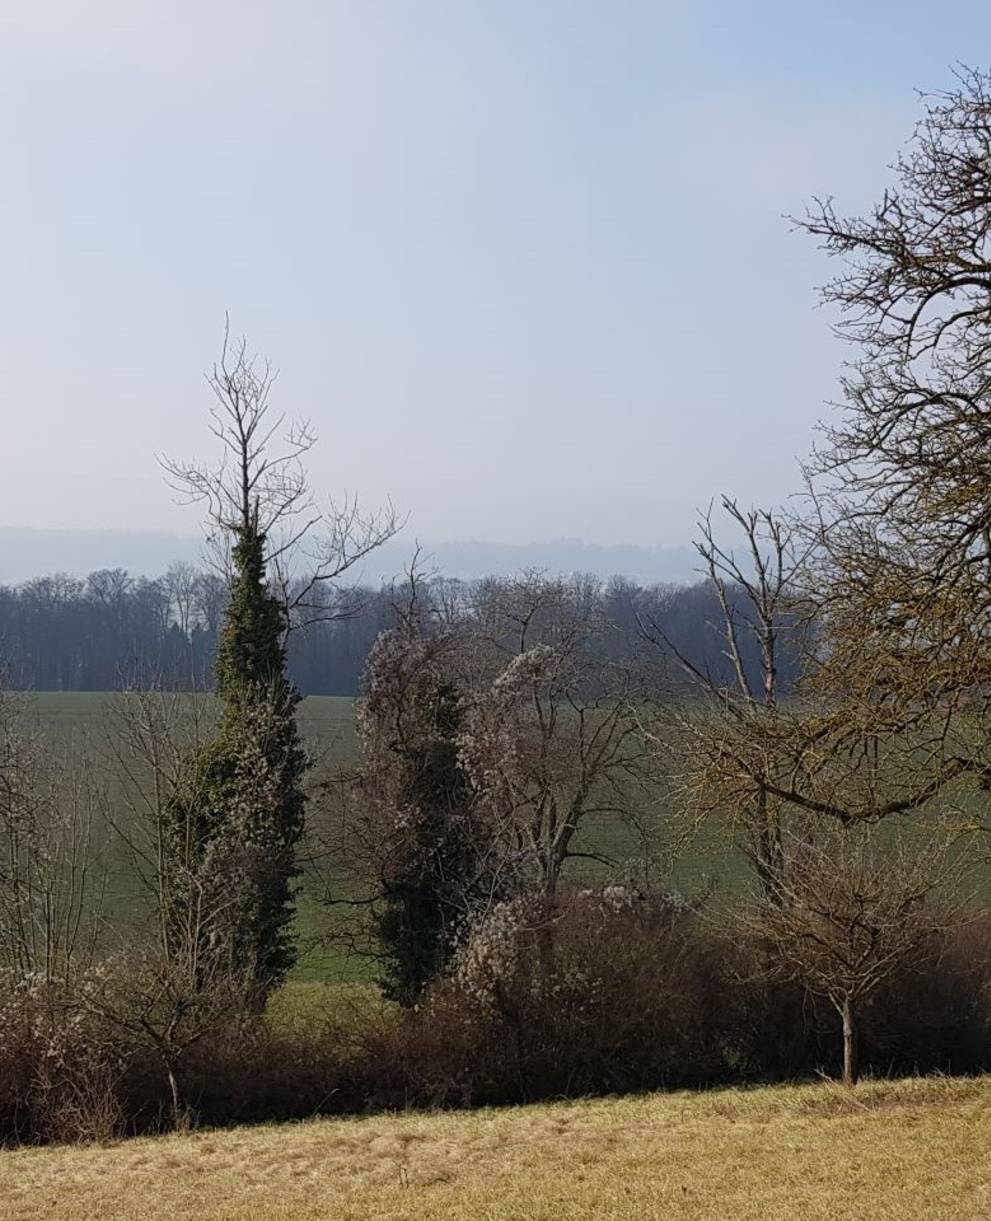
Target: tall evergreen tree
[258, 764]
[236, 824]
[239, 817]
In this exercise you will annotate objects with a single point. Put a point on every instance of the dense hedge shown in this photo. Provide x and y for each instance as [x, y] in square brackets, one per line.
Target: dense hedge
[636, 997]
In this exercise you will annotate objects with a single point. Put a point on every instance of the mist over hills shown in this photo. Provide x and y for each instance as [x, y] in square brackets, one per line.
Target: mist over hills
[27, 553]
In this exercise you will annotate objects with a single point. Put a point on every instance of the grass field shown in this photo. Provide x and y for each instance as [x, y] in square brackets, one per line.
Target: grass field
[890, 1151]
[327, 722]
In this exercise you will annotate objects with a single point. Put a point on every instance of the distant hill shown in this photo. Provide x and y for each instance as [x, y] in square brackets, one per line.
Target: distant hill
[646, 565]
[26, 553]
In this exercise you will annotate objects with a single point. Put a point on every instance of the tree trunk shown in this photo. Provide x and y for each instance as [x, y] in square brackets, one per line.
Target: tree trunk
[178, 1116]
[546, 935]
[850, 1067]
[768, 859]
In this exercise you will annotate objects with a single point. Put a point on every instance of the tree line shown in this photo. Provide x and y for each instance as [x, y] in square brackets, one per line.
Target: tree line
[110, 630]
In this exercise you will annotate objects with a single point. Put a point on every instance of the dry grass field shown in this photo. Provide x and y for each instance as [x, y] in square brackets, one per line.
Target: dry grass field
[911, 1149]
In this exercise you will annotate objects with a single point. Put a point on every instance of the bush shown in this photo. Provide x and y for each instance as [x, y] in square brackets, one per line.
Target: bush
[639, 994]
[933, 1014]
[59, 1069]
[615, 993]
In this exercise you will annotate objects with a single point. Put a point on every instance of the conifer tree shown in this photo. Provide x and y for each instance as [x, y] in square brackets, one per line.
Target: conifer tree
[238, 817]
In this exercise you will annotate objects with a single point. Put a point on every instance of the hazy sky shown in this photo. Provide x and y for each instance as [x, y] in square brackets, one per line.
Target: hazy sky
[522, 261]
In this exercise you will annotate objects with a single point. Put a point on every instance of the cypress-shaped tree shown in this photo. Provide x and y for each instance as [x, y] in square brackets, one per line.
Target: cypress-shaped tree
[428, 878]
[236, 822]
[232, 824]
[259, 735]
[250, 651]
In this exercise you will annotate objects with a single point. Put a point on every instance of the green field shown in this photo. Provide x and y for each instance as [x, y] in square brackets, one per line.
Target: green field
[327, 720]
[82, 721]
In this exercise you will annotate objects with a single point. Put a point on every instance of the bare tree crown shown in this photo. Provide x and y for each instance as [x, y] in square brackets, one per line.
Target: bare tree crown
[260, 485]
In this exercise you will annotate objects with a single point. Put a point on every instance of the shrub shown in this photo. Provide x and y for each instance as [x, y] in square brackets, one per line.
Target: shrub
[59, 1069]
[632, 995]
[643, 994]
[617, 993]
[933, 1014]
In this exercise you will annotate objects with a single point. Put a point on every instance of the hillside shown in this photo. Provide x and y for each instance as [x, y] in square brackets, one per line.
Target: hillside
[895, 1150]
[27, 552]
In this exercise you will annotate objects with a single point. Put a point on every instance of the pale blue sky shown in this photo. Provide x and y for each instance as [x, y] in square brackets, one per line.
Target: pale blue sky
[522, 261]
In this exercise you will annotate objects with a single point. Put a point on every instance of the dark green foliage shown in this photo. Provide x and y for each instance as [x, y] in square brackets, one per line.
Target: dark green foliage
[427, 880]
[236, 824]
[250, 652]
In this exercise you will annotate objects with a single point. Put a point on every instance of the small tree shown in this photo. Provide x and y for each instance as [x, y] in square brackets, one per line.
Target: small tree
[848, 910]
[164, 1004]
[51, 883]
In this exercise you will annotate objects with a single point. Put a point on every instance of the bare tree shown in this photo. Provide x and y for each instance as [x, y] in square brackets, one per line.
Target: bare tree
[902, 519]
[866, 732]
[153, 740]
[260, 486]
[731, 744]
[109, 586]
[181, 586]
[849, 909]
[165, 1003]
[211, 594]
[553, 738]
[51, 882]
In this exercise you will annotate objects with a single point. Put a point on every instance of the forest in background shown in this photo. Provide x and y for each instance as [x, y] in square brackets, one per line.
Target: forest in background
[111, 630]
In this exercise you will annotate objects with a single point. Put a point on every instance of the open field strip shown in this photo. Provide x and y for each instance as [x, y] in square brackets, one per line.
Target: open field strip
[327, 722]
[907, 1150]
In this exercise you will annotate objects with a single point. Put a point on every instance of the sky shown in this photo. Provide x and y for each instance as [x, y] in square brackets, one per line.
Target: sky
[522, 262]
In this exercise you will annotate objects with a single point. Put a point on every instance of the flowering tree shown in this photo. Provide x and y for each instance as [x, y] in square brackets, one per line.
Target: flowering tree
[554, 739]
[491, 734]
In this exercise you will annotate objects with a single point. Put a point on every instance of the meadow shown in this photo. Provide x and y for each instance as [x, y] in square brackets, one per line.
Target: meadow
[894, 1151]
[83, 720]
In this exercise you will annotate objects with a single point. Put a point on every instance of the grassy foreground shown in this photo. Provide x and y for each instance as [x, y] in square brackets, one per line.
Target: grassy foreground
[910, 1149]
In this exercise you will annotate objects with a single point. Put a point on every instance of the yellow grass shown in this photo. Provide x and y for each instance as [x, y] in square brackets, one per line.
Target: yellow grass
[913, 1149]
[330, 1008]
